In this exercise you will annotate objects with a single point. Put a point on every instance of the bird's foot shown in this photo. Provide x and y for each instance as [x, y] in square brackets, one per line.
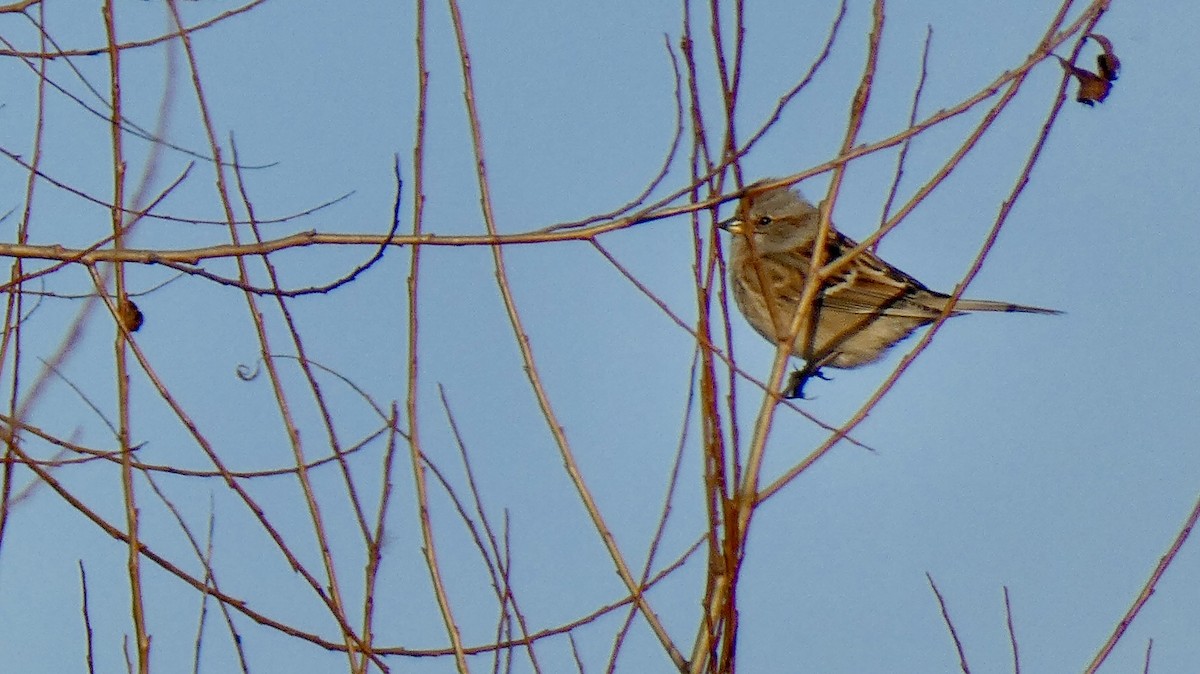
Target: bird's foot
[797, 380]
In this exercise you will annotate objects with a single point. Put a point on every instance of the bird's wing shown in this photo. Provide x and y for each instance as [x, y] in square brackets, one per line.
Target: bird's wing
[870, 285]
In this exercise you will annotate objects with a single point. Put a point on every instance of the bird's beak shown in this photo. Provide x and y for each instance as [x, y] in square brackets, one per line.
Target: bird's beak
[732, 225]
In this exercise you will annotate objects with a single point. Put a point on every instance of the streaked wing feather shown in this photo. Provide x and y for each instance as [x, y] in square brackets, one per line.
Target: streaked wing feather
[870, 286]
[865, 293]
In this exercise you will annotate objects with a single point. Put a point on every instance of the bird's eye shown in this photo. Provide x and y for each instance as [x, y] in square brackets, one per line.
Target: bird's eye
[764, 221]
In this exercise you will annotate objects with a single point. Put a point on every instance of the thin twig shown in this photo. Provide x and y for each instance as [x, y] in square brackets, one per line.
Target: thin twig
[132, 523]
[1147, 590]
[498, 562]
[958, 647]
[1012, 633]
[912, 120]
[85, 611]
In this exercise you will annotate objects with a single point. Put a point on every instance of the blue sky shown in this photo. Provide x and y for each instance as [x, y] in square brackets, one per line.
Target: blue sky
[1054, 456]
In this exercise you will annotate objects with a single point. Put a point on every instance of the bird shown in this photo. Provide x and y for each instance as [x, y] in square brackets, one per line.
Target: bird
[858, 314]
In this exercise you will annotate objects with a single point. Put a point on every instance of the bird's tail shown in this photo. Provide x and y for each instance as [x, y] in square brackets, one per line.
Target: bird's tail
[991, 305]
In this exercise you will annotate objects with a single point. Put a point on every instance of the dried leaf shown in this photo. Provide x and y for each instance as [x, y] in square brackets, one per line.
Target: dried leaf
[131, 317]
[1107, 63]
[1092, 87]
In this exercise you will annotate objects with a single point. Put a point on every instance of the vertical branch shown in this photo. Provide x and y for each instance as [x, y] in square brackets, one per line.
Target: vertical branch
[531, 370]
[375, 546]
[431, 561]
[14, 307]
[414, 442]
[374, 542]
[131, 512]
[731, 77]
[718, 461]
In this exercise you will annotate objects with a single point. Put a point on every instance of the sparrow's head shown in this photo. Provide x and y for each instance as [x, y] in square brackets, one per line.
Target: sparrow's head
[776, 219]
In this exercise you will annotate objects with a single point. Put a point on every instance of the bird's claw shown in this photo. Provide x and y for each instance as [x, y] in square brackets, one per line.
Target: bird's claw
[797, 380]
